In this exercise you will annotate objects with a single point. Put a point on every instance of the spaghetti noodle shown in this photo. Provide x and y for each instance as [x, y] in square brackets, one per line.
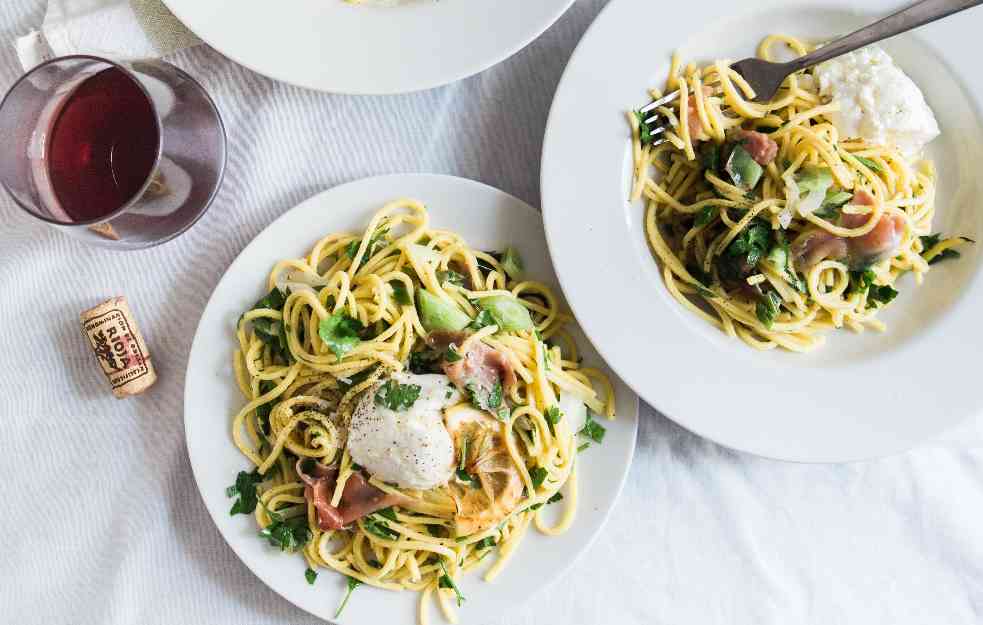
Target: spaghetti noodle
[303, 384]
[767, 223]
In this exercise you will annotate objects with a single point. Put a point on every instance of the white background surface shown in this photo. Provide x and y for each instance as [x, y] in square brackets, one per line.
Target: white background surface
[102, 523]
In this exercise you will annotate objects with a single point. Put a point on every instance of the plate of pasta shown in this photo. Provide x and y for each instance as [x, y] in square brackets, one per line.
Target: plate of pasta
[368, 46]
[390, 413]
[795, 267]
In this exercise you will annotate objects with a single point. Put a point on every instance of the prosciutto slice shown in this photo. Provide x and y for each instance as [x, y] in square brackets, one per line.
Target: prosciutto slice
[359, 498]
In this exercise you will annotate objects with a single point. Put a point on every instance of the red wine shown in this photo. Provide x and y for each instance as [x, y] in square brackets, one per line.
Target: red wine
[102, 145]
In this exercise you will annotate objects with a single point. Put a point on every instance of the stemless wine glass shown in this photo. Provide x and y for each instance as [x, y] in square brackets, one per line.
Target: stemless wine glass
[119, 154]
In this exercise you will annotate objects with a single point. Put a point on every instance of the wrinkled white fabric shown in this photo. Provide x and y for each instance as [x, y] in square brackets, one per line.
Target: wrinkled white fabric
[102, 523]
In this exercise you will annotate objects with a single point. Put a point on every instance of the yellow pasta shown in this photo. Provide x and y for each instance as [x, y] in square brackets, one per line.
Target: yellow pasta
[300, 392]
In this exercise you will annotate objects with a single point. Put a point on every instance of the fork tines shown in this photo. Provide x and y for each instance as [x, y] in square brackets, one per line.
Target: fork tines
[666, 99]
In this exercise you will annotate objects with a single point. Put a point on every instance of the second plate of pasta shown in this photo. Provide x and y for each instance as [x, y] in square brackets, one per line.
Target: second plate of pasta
[779, 259]
[388, 405]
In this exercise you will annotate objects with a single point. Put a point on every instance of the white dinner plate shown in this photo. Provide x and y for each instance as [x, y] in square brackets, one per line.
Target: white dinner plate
[331, 45]
[488, 219]
[860, 396]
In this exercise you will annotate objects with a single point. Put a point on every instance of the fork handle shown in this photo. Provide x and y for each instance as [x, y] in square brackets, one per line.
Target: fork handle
[916, 15]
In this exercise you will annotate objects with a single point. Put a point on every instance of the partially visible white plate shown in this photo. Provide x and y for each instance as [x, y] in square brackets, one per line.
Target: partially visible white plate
[487, 218]
[330, 45]
[861, 396]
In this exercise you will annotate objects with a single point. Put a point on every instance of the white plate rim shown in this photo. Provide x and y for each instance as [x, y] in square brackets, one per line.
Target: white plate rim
[465, 61]
[217, 505]
[617, 26]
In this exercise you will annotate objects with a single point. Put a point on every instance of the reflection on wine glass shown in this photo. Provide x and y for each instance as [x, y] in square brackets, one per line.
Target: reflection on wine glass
[126, 155]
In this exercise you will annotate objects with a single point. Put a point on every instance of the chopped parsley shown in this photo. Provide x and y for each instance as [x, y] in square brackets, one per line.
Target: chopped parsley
[780, 257]
[310, 575]
[352, 585]
[488, 399]
[400, 294]
[538, 476]
[468, 479]
[485, 543]
[379, 528]
[376, 242]
[767, 308]
[482, 320]
[263, 410]
[869, 164]
[245, 492]
[445, 581]
[752, 243]
[861, 280]
[271, 331]
[287, 534]
[706, 215]
[931, 240]
[452, 355]
[389, 513]
[593, 430]
[644, 132]
[557, 496]
[396, 396]
[553, 415]
[451, 277]
[340, 333]
[880, 294]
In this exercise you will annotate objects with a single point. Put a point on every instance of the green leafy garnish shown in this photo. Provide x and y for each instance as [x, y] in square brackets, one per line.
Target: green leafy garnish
[593, 430]
[467, 478]
[861, 280]
[400, 294]
[780, 258]
[424, 361]
[710, 156]
[752, 243]
[553, 415]
[445, 581]
[376, 242]
[834, 201]
[396, 396]
[538, 476]
[352, 585]
[310, 575]
[931, 240]
[452, 355]
[485, 543]
[880, 294]
[379, 528]
[389, 513]
[263, 410]
[271, 331]
[488, 399]
[482, 320]
[553, 499]
[869, 164]
[644, 132]
[340, 333]
[706, 215]
[451, 277]
[582, 447]
[245, 492]
[767, 308]
[287, 534]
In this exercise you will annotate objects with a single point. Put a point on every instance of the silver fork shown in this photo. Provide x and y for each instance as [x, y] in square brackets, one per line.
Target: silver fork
[766, 77]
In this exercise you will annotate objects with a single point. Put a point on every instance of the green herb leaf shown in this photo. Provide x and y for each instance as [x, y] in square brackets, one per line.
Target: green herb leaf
[452, 355]
[263, 410]
[396, 396]
[485, 543]
[538, 476]
[310, 575]
[451, 277]
[752, 243]
[340, 333]
[880, 294]
[767, 308]
[582, 447]
[289, 535]
[401, 294]
[467, 478]
[593, 430]
[861, 280]
[379, 528]
[376, 242]
[244, 490]
[706, 215]
[389, 513]
[557, 496]
[869, 164]
[553, 415]
[484, 398]
[832, 204]
[352, 585]
[482, 320]
[644, 132]
[445, 581]
[710, 156]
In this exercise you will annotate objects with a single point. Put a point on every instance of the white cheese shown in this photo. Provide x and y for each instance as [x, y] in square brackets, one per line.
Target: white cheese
[878, 101]
[411, 448]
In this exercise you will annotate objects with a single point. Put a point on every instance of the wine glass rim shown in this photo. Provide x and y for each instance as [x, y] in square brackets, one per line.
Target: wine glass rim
[160, 140]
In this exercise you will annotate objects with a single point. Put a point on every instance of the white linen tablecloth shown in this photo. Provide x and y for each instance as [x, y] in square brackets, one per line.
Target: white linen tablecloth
[101, 520]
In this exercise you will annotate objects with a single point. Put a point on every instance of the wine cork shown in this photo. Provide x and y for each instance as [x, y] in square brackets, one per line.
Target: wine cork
[119, 347]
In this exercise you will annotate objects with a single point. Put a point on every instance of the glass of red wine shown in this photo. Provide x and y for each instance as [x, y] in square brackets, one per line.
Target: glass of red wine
[125, 155]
